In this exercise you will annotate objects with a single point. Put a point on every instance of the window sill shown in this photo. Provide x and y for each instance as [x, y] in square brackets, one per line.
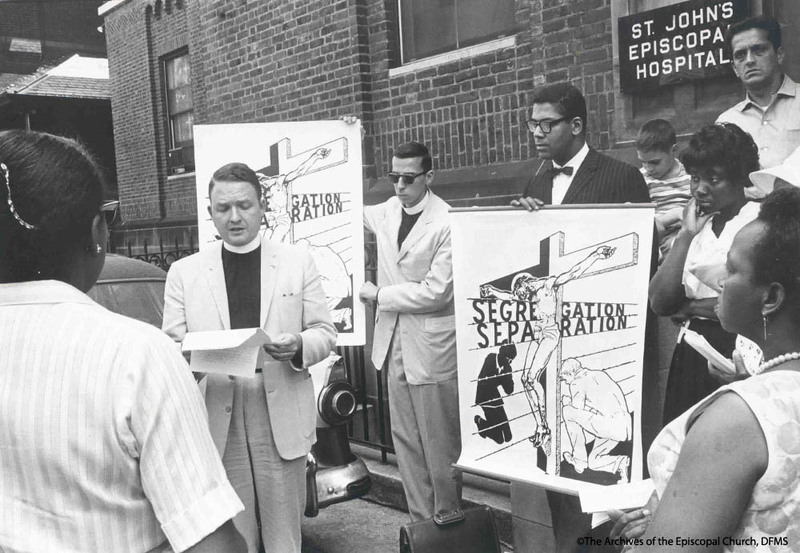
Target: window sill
[468, 52]
[180, 176]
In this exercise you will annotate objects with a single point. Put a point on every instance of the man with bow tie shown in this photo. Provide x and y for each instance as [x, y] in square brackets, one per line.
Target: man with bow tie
[415, 332]
[573, 173]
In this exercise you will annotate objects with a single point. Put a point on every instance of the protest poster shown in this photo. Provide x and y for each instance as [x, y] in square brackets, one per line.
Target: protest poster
[310, 176]
[550, 324]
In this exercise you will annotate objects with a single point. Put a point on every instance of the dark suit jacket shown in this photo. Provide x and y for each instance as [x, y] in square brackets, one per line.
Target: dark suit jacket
[600, 180]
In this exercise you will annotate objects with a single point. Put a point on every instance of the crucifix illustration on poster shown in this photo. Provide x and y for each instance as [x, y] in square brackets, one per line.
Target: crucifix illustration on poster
[310, 177]
[550, 318]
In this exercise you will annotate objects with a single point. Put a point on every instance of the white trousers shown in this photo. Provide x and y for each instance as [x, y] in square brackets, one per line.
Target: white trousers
[272, 489]
[427, 438]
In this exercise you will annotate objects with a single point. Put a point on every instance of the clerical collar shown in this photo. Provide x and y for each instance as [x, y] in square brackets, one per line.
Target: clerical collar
[413, 210]
[247, 248]
[576, 160]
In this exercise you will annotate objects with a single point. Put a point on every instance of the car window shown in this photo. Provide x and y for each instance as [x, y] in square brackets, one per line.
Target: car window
[140, 300]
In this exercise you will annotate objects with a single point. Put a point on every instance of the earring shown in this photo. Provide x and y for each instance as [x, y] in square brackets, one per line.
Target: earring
[764, 319]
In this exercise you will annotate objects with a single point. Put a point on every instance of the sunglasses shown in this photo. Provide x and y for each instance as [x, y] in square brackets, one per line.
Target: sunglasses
[408, 178]
[109, 209]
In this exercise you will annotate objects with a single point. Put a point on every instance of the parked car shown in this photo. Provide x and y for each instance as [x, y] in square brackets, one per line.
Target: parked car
[136, 289]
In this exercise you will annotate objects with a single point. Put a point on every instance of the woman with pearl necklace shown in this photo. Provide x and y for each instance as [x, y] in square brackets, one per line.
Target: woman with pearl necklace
[726, 472]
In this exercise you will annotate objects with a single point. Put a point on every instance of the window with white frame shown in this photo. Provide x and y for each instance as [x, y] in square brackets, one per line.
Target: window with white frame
[180, 116]
[430, 27]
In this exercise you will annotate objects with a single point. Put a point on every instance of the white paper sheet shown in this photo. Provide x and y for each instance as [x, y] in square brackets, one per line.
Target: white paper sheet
[701, 346]
[598, 499]
[231, 352]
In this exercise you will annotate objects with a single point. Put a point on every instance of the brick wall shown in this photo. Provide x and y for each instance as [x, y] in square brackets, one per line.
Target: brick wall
[139, 35]
[132, 112]
[278, 60]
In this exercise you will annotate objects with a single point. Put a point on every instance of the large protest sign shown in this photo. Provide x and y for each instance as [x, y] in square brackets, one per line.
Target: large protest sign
[310, 176]
[550, 321]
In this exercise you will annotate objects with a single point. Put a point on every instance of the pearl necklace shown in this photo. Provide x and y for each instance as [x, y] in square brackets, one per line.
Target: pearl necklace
[775, 361]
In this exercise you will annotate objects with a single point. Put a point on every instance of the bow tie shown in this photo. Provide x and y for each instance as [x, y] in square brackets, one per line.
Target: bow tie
[554, 171]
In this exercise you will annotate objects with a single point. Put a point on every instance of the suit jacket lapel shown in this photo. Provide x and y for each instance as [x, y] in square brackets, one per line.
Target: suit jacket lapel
[215, 277]
[583, 178]
[392, 218]
[545, 176]
[269, 274]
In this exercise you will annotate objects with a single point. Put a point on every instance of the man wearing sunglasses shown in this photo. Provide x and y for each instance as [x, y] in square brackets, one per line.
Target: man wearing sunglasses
[770, 111]
[415, 332]
[573, 173]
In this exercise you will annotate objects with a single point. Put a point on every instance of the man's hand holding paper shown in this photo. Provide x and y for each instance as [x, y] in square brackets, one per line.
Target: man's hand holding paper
[284, 347]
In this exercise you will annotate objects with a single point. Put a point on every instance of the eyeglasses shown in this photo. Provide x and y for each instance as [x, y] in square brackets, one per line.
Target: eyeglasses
[109, 209]
[546, 125]
[408, 178]
[758, 50]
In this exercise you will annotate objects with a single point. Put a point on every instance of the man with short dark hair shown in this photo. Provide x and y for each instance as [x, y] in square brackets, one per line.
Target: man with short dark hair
[263, 426]
[415, 332]
[770, 111]
[572, 173]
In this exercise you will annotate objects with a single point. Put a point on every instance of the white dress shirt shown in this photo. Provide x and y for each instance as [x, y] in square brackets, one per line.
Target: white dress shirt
[561, 181]
[105, 441]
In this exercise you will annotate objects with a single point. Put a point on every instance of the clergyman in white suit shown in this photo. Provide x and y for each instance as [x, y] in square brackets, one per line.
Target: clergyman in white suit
[415, 332]
[263, 426]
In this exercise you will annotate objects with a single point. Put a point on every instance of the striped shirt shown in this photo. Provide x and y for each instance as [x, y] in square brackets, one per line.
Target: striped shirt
[104, 441]
[670, 196]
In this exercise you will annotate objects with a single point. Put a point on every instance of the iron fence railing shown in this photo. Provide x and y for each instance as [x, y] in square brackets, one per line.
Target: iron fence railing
[160, 257]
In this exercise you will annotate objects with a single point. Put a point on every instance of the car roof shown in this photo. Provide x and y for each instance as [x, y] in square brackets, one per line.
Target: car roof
[119, 268]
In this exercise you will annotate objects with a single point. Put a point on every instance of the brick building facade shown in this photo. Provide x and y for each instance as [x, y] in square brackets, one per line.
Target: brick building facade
[261, 61]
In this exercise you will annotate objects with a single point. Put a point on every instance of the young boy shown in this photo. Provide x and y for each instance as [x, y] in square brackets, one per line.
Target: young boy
[666, 178]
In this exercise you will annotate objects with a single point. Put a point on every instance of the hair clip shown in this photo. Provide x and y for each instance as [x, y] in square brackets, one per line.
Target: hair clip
[11, 207]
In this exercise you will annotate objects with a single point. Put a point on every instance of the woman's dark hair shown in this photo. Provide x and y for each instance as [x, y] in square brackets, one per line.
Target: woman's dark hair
[776, 257]
[725, 146]
[56, 187]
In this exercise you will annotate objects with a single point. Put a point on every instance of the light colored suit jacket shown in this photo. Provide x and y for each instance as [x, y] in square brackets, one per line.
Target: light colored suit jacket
[416, 290]
[292, 300]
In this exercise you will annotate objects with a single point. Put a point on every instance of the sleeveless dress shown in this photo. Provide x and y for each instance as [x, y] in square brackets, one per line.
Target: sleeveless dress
[774, 508]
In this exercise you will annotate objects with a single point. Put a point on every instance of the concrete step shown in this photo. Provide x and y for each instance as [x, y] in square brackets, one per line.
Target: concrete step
[387, 489]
